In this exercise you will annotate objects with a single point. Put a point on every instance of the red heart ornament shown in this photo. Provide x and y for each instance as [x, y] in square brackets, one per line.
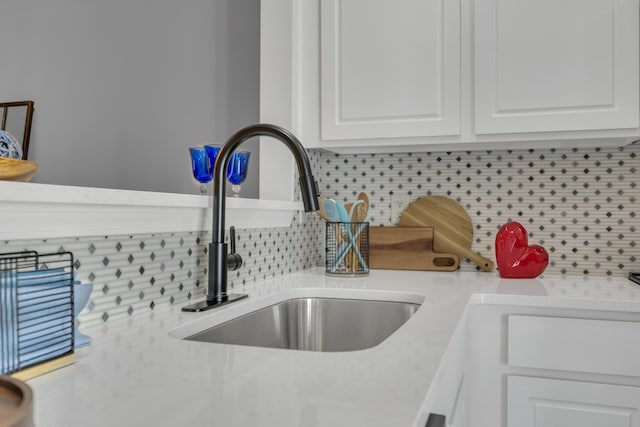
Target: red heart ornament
[515, 258]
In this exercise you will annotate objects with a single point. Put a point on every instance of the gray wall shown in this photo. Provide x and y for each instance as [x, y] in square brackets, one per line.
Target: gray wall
[123, 88]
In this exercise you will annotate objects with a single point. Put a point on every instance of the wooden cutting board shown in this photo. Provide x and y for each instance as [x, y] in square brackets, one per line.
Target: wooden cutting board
[452, 227]
[407, 248]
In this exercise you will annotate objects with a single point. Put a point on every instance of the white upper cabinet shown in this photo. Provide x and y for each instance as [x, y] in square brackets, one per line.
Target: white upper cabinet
[389, 68]
[401, 75]
[555, 65]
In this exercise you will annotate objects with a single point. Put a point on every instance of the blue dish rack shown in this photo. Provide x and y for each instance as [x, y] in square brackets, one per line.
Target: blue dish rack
[36, 309]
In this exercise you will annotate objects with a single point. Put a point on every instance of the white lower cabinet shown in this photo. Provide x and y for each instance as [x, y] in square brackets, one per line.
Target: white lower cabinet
[544, 402]
[550, 367]
[544, 345]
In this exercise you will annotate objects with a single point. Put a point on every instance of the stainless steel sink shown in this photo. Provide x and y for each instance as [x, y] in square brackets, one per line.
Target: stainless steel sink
[313, 324]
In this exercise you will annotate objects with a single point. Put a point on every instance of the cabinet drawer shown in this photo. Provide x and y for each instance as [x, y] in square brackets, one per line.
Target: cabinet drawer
[582, 345]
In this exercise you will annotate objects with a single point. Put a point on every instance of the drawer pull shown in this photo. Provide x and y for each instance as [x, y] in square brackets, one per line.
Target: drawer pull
[436, 420]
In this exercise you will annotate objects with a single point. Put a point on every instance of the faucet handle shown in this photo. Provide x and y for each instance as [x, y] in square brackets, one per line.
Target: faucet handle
[232, 239]
[234, 260]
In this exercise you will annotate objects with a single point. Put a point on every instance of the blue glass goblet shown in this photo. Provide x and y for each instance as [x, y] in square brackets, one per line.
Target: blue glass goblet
[237, 171]
[212, 154]
[200, 167]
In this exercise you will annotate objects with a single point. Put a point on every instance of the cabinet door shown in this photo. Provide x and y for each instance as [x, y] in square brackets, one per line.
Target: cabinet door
[542, 402]
[389, 68]
[555, 65]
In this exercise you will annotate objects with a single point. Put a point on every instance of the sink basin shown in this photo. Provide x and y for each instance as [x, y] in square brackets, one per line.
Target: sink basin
[313, 324]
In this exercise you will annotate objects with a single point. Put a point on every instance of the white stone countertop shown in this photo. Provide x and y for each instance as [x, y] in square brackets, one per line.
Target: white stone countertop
[136, 374]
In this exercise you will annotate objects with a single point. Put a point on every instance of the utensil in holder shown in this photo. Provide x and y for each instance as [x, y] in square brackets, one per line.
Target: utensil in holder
[347, 248]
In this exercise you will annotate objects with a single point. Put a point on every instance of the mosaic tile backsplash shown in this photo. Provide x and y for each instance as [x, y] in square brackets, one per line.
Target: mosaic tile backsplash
[134, 274]
[578, 203]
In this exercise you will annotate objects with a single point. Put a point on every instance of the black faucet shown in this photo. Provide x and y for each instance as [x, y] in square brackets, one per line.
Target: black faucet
[219, 260]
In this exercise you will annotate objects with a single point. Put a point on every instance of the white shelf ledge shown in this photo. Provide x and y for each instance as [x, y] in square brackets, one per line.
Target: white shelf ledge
[44, 211]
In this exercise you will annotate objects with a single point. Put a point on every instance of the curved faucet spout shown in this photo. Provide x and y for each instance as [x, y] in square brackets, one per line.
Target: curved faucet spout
[218, 254]
[308, 187]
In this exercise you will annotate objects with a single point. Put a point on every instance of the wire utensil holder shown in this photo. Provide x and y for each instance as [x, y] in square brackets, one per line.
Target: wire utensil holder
[36, 309]
[347, 248]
